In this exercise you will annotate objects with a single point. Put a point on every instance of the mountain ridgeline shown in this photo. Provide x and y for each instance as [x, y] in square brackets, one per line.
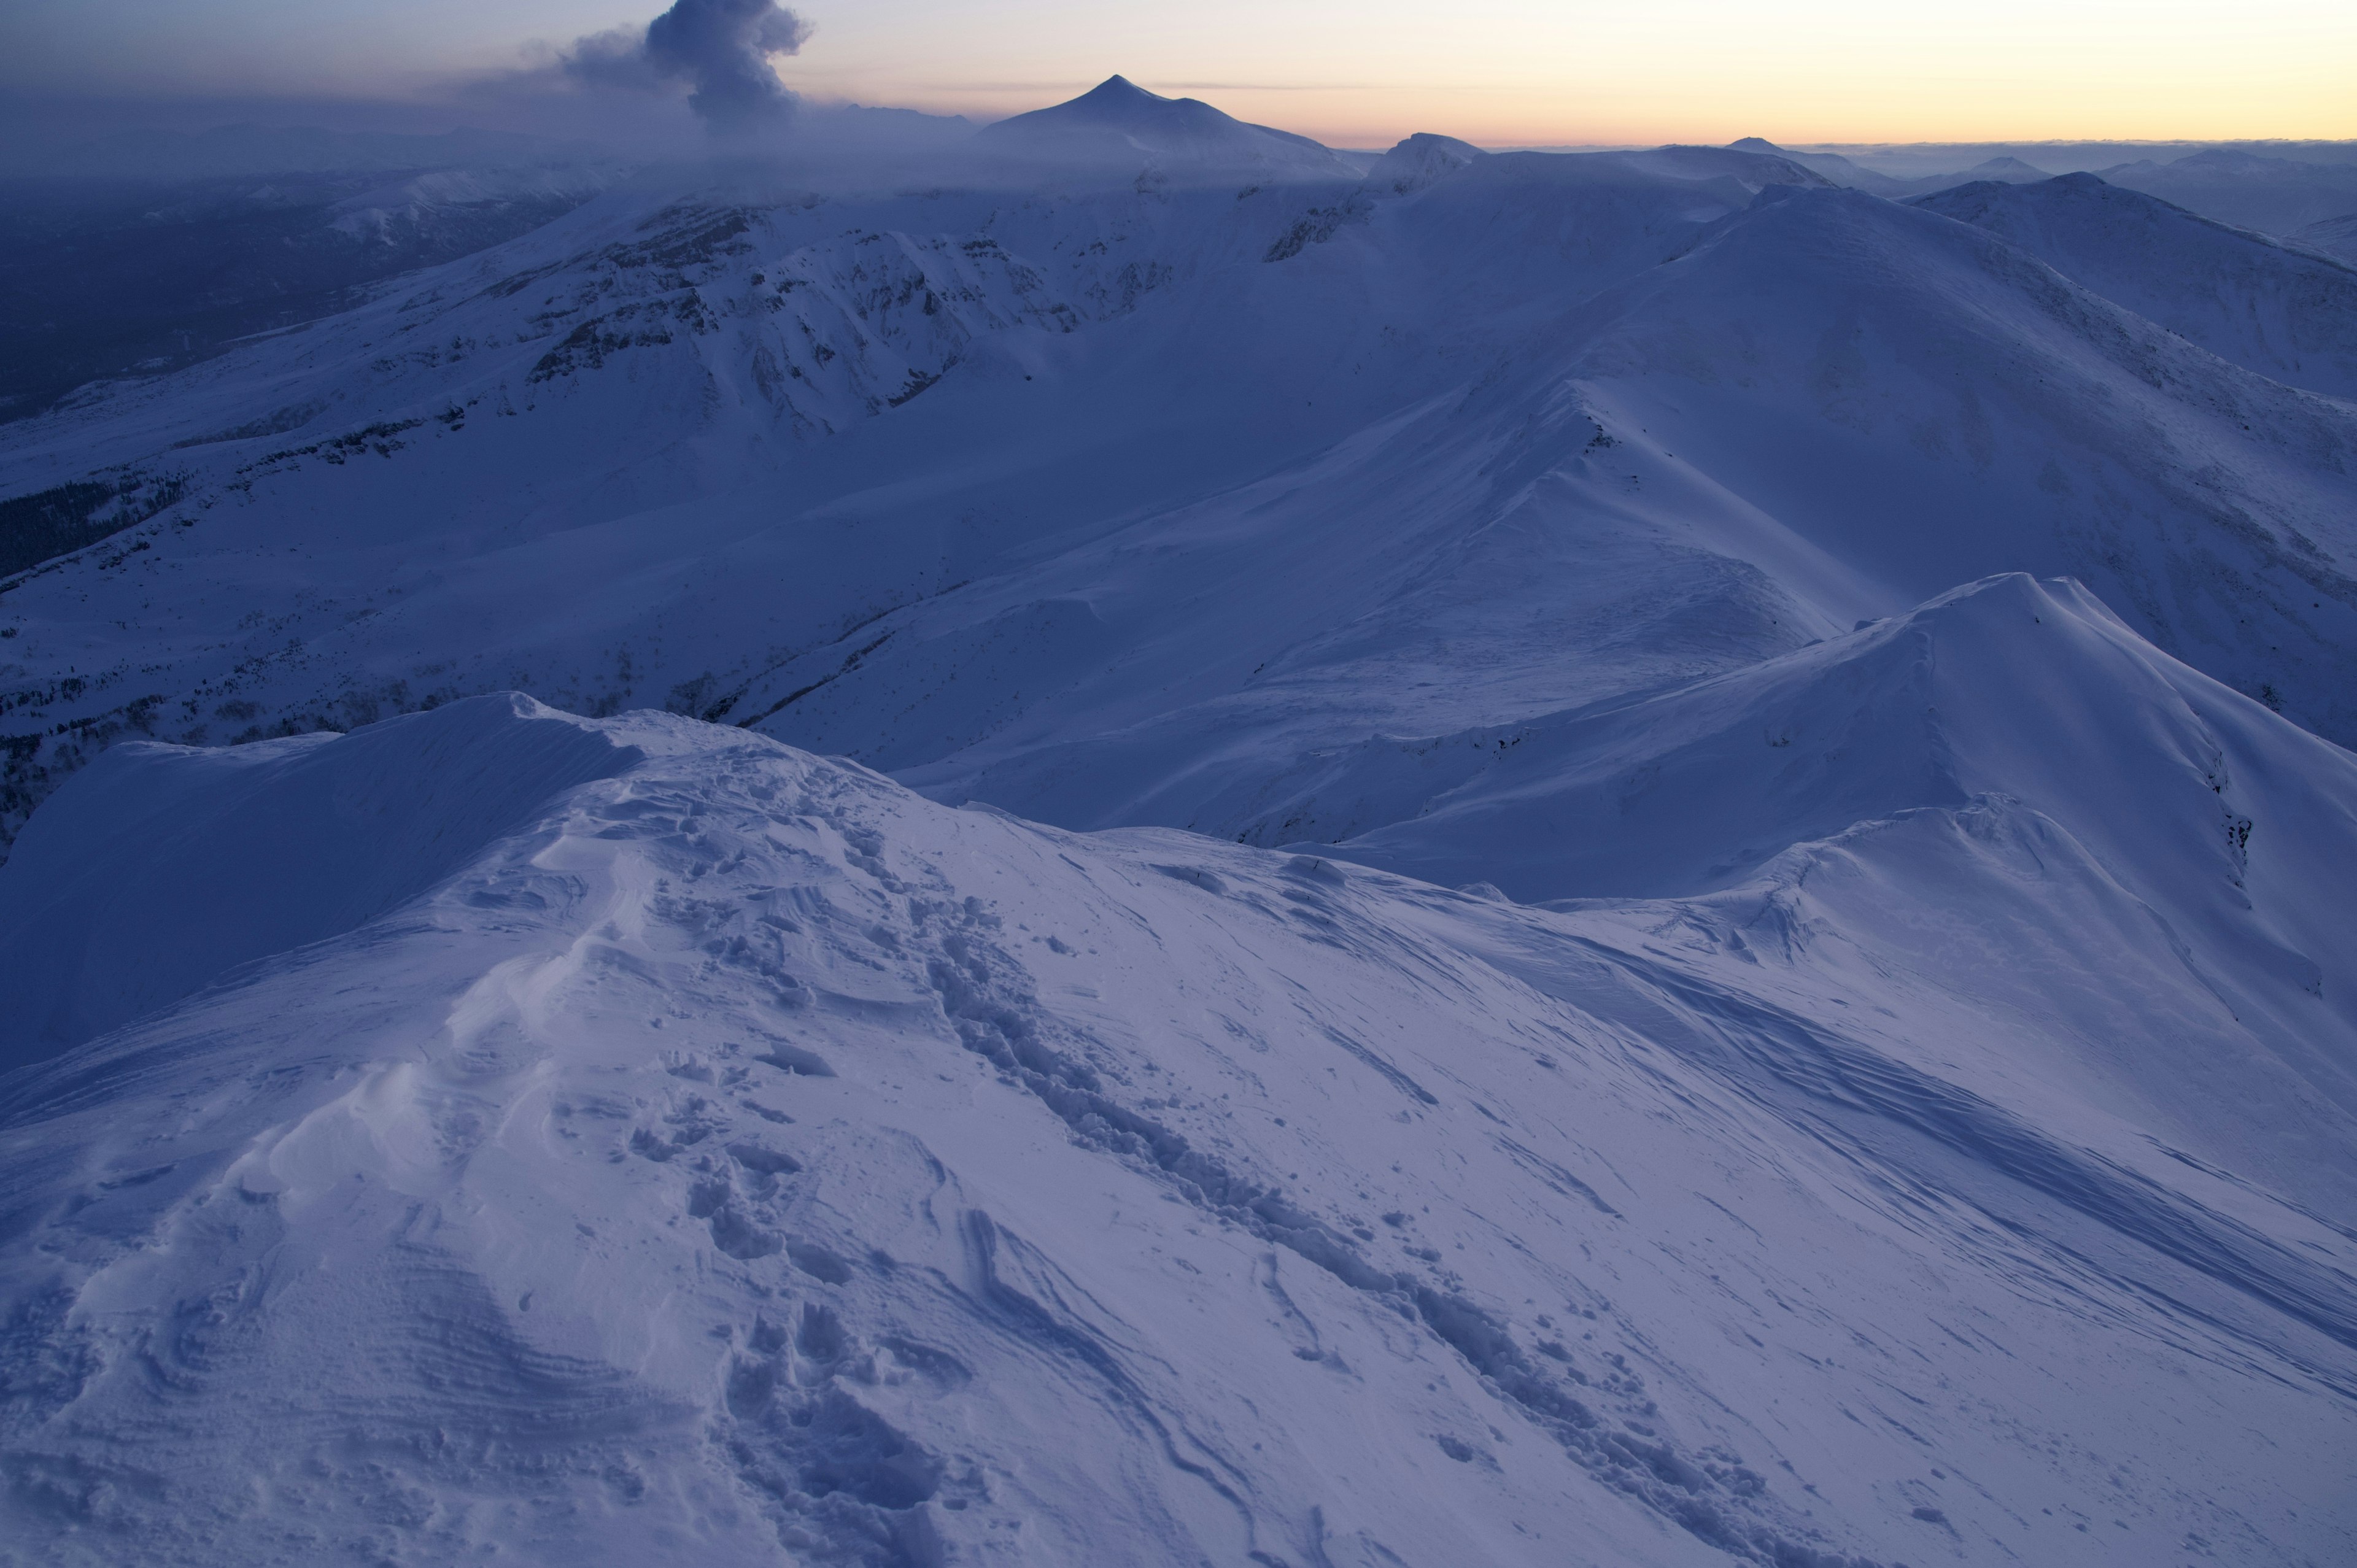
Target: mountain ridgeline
[1140, 841]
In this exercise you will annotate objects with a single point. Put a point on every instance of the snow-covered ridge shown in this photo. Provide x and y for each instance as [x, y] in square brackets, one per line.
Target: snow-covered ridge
[2267, 307]
[1501, 858]
[683, 449]
[785, 1161]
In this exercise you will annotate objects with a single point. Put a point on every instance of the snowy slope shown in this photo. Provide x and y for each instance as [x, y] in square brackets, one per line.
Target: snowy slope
[1928, 405]
[1111, 505]
[1899, 657]
[943, 477]
[2335, 236]
[1718, 482]
[735, 1152]
[626, 363]
[132, 276]
[2269, 307]
[2279, 196]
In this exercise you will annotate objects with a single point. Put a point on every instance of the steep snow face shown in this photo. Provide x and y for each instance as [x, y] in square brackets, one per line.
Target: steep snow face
[2012, 744]
[1930, 404]
[2285, 314]
[736, 1148]
[1553, 544]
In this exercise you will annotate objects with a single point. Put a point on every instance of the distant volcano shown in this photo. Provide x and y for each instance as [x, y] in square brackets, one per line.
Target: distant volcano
[1117, 118]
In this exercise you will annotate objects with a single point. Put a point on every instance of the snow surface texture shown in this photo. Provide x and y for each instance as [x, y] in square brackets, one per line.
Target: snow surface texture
[1884, 1089]
[1111, 503]
[737, 1154]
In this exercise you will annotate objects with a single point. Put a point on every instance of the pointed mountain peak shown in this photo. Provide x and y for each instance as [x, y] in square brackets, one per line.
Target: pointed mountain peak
[1114, 90]
[1118, 98]
[1421, 160]
[1117, 119]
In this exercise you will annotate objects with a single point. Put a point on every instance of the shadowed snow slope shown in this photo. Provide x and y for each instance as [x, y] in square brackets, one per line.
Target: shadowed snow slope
[278, 843]
[1910, 1118]
[2266, 307]
[2011, 746]
[735, 1151]
[2333, 236]
[1110, 503]
[2280, 195]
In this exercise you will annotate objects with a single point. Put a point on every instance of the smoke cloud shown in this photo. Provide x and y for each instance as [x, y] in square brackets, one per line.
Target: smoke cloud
[720, 48]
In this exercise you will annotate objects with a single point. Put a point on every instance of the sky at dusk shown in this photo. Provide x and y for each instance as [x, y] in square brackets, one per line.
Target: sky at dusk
[1494, 71]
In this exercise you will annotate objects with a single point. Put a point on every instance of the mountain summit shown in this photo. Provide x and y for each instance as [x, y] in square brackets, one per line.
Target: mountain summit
[1117, 119]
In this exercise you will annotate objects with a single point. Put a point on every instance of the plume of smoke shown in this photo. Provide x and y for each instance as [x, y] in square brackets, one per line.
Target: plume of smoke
[720, 48]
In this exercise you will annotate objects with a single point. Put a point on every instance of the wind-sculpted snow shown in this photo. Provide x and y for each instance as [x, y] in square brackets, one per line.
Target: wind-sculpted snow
[2013, 728]
[735, 1148]
[287, 843]
[1909, 1114]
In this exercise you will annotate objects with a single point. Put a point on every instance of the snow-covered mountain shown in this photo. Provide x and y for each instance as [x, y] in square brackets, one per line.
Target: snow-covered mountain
[101, 277]
[998, 1073]
[1833, 165]
[2004, 169]
[2279, 196]
[2335, 236]
[1117, 121]
[728, 1145]
[635, 457]
[2265, 306]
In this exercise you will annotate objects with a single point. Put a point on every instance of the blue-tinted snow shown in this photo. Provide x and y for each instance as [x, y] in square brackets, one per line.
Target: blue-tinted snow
[1876, 677]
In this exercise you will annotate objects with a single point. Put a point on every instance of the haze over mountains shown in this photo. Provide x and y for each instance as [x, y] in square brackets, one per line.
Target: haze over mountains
[1261, 854]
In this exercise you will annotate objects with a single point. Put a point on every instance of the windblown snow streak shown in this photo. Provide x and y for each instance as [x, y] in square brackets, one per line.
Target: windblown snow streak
[1882, 1091]
[737, 1148]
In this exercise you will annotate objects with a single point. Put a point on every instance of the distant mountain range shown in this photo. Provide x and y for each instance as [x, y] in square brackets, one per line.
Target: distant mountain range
[1121, 840]
[2275, 195]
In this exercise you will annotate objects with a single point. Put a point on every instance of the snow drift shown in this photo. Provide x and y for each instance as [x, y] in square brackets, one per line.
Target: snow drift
[738, 1149]
[166, 867]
